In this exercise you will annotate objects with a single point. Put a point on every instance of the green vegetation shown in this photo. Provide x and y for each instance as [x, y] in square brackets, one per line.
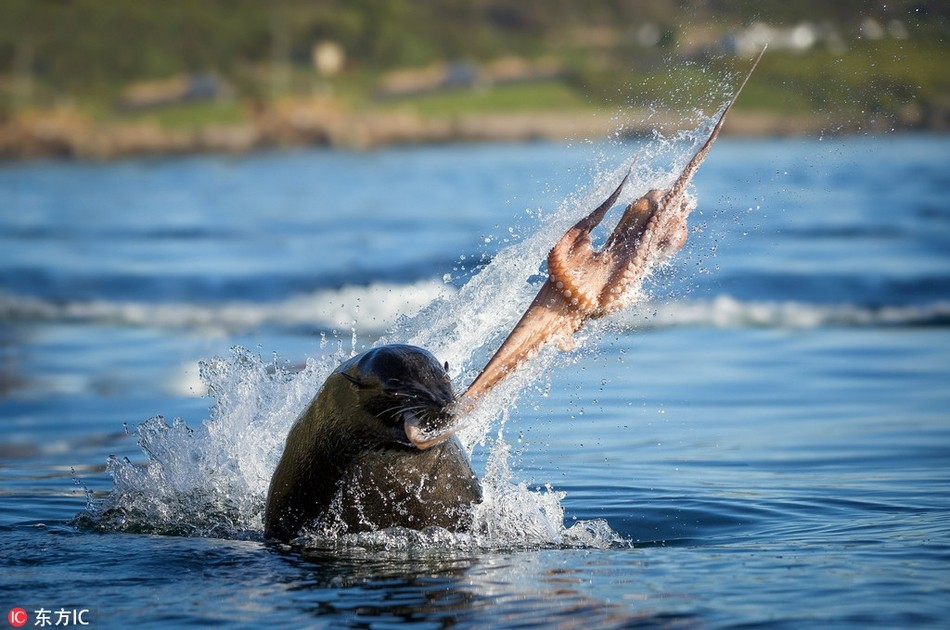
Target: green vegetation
[86, 54]
[189, 115]
[548, 95]
[871, 77]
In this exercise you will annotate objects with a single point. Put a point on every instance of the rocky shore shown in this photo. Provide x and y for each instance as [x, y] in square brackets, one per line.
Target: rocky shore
[67, 133]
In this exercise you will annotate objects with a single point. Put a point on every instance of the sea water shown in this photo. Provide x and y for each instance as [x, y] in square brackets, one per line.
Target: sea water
[763, 438]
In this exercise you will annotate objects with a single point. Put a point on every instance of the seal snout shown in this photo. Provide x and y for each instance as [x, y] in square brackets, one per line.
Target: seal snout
[407, 390]
[426, 430]
[429, 414]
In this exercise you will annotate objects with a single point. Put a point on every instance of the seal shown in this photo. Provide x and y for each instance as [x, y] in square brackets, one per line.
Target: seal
[357, 458]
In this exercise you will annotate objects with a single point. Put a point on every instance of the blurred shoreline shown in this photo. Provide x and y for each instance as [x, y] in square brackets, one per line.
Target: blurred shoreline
[65, 133]
[101, 80]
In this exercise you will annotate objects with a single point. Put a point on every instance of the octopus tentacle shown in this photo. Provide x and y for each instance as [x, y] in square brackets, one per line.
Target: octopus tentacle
[585, 284]
[562, 276]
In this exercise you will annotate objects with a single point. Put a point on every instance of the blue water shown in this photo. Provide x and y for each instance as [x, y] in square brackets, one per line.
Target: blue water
[764, 440]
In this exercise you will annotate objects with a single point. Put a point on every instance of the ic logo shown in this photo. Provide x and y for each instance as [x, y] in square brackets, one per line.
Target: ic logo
[17, 617]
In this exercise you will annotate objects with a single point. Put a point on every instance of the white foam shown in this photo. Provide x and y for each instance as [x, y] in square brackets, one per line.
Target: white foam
[431, 314]
[372, 309]
[725, 311]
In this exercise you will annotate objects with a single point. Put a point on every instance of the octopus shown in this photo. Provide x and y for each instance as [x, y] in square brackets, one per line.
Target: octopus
[584, 283]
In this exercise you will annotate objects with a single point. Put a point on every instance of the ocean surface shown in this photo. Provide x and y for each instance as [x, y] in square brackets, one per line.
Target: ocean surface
[761, 440]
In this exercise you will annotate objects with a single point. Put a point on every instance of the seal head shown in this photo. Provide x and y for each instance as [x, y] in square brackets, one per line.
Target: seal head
[357, 458]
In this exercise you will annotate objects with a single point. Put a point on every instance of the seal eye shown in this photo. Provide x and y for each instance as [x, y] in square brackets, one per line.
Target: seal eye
[353, 379]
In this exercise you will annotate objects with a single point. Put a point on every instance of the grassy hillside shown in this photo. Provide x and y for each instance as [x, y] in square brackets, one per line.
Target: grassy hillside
[876, 66]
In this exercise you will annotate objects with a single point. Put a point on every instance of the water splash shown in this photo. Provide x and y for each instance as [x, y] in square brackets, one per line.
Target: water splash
[212, 480]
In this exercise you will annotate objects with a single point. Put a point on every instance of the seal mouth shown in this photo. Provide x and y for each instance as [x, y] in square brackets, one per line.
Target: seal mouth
[422, 439]
[422, 434]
